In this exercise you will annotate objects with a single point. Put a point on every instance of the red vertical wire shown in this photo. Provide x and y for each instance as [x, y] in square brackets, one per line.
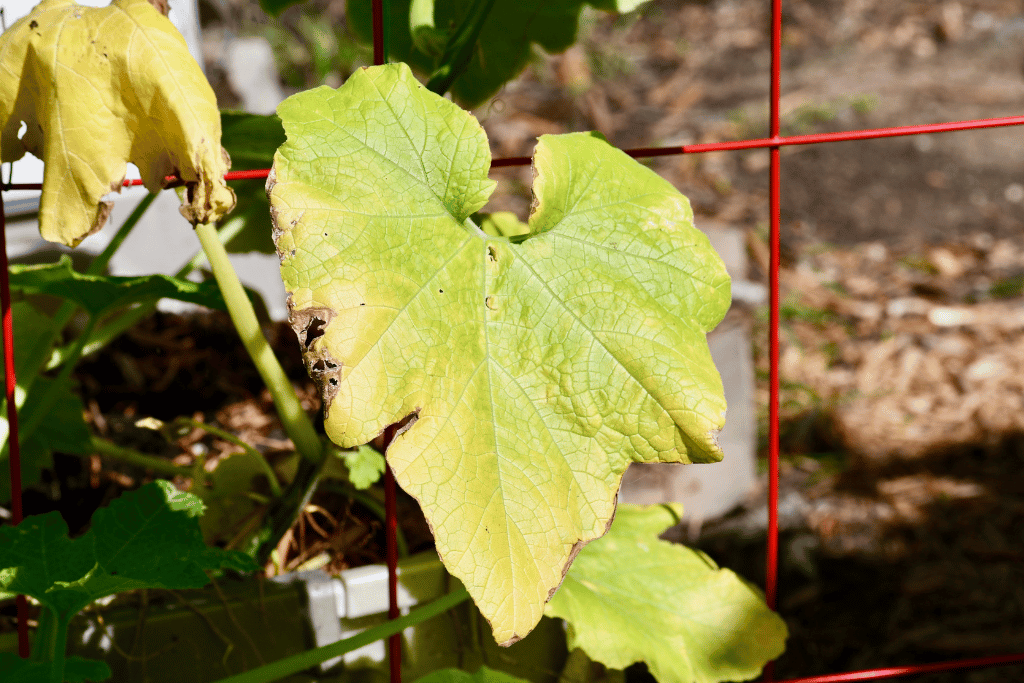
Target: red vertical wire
[10, 382]
[391, 533]
[772, 552]
[390, 514]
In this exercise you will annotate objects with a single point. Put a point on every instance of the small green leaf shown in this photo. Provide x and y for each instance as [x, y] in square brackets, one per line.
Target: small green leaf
[506, 41]
[365, 466]
[148, 538]
[483, 675]
[630, 597]
[99, 293]
[535, 371]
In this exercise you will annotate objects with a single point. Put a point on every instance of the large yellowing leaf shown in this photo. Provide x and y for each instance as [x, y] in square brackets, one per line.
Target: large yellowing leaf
[96, 88]
[630, 597]
[536, 367]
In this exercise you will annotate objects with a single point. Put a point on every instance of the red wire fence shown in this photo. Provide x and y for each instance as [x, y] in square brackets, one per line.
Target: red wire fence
[773, 143]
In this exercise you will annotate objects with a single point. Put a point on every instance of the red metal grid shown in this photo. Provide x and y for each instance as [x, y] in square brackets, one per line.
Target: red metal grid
[774, 142]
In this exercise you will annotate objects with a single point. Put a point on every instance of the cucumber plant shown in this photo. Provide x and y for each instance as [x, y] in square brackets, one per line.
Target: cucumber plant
[518, 367]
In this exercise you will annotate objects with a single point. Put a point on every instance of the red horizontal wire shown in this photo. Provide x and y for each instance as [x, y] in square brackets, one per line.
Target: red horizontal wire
[897, 671]
[645, 152]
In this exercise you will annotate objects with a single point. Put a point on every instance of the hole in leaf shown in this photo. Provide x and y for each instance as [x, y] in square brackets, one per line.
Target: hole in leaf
[440, 291]
[333, 382]
[314, 330]
[491, 254]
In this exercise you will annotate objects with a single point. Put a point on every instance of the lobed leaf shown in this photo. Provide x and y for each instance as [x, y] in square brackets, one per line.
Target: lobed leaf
[96, 88]
[147, 538]
[528, 375]
[630, 597]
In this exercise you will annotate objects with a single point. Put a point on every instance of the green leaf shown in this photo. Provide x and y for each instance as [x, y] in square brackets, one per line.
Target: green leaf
[65, 432]
[483, 675]
[76, 670]
[148, 538]
[630, 597]
[251, 140]
[365, 466]
[80, 669]
[506, 41]
[99, 293]
[227, 506]
[536, 372]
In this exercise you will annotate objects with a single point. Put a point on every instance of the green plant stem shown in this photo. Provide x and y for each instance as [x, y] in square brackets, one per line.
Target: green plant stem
[460, 48]
[51, 643]
[268, 471]
[310, 658]
[132, 457]
[295, 421]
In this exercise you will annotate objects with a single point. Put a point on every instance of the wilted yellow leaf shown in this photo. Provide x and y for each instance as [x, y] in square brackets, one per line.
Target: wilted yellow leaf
[96, 88]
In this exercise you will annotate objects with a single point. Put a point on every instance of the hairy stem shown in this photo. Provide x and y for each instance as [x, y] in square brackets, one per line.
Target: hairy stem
[296, 423]
[159, 465]
[304, 660]
[268, 472]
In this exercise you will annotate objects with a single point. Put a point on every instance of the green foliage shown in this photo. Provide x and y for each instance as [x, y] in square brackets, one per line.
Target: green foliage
[97, 294]
[365, 466]
[506, 38]
[66, 430]
[630, 597]
[148, 538]
[251, 140]
[483, 675]
[538, 370]
[76, 670]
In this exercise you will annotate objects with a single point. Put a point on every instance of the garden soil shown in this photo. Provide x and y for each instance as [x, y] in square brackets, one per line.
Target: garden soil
[902, 356]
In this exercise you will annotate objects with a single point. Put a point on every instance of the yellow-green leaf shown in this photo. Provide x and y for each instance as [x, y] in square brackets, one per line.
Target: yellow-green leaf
[630, 597]
[536, 367]
[97, 88]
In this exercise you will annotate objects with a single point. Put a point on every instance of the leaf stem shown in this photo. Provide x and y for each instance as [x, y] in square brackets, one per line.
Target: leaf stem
[268, 472]
[304, 660]
[460, 48]
[296, 423]
[132, 457]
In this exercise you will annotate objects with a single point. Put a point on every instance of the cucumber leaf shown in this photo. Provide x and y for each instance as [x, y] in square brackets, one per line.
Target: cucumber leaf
[527, 375]
[99, 293]
[147, 538]
[506, 41]
[98, 87]
[630, 597]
